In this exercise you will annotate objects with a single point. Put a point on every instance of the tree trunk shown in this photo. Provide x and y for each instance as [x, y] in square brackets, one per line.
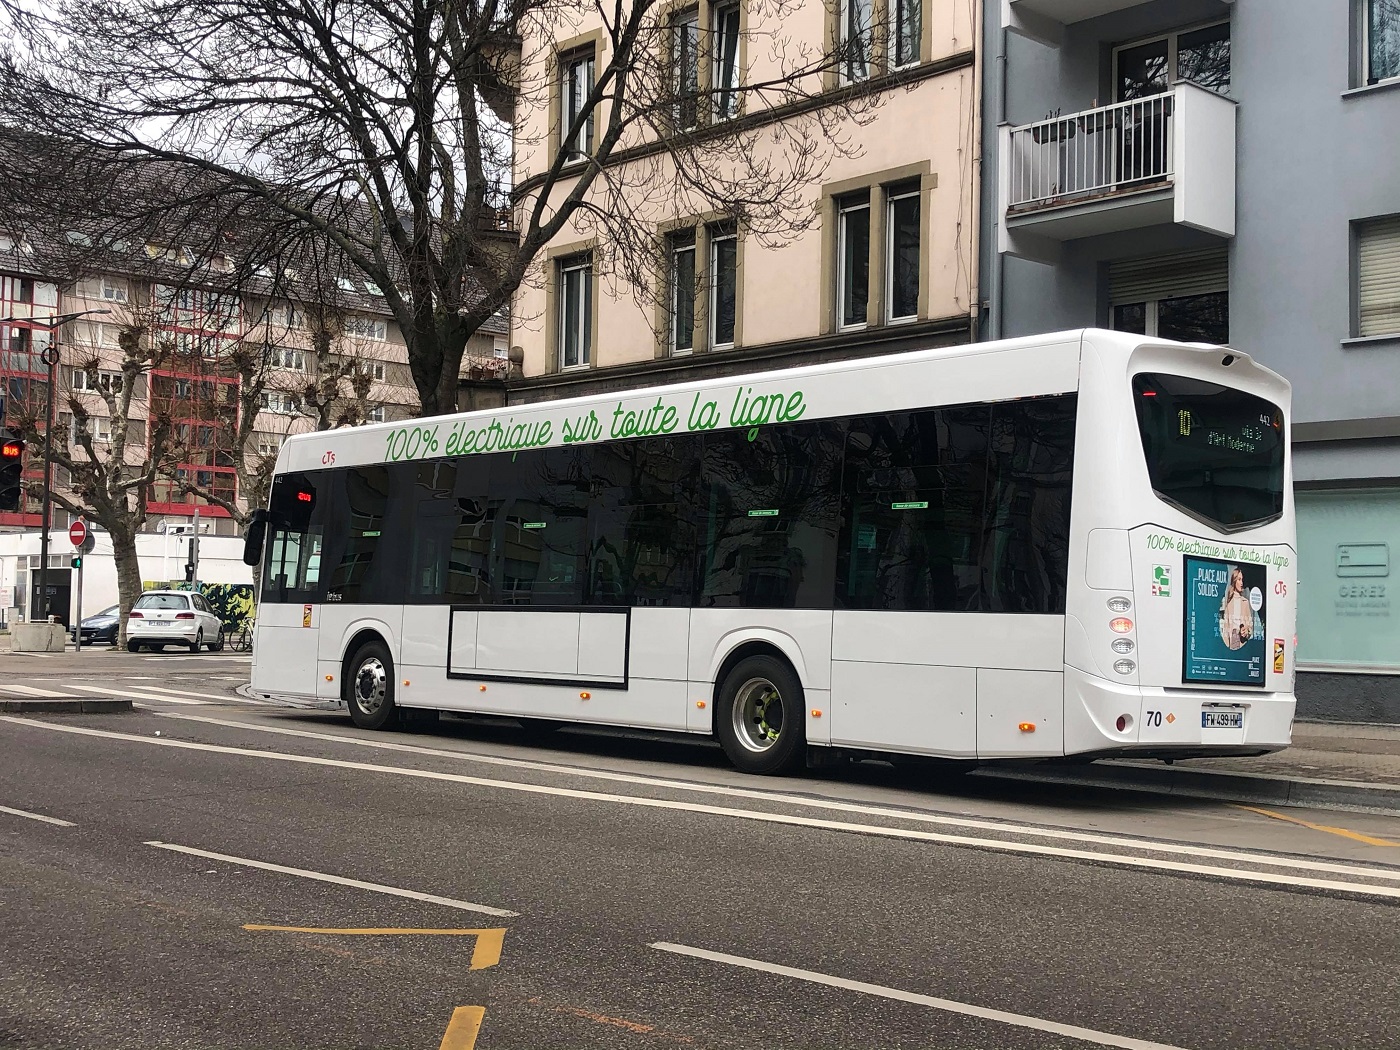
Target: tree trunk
[128, 578]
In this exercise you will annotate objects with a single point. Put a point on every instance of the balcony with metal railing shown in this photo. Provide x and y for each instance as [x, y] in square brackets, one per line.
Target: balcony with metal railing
[1166, 158]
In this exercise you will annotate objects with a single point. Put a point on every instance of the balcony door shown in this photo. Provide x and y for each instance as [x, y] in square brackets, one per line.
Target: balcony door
[1183, 296]
[1144, 74]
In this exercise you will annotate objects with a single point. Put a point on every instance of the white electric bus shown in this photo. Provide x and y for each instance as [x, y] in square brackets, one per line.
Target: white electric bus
[1078, 544]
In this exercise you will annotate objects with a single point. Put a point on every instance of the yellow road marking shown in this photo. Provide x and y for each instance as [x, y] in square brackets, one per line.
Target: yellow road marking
[487, 952]
[462, 1029]
[1346, 834]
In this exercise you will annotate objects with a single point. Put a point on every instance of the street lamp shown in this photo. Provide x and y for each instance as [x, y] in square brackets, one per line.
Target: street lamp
[50, 324]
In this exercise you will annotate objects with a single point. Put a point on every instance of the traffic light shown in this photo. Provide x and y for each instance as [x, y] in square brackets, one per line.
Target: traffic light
[77, 561]
[189, 572]
[11, 469]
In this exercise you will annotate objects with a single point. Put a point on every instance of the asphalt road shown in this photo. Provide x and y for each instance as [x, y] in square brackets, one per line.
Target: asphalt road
[649, 897]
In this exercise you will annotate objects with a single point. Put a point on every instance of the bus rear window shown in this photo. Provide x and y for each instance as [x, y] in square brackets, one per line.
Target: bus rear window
[1215, 452]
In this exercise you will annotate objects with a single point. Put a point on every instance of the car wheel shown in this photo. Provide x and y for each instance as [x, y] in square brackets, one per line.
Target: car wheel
[133, 647]
[217, 646]
[761, 716]
[198, 641]
[368, 687]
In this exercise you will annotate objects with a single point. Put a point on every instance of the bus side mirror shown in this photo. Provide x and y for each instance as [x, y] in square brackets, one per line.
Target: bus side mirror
[253, 542]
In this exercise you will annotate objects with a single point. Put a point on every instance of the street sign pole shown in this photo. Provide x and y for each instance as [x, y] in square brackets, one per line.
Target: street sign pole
[78, 630]
[82, 542]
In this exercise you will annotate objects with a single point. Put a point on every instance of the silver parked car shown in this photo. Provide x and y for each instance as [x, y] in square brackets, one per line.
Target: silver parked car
[161, 618]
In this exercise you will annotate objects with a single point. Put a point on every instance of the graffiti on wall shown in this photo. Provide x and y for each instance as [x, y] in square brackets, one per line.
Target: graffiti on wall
[233, 602]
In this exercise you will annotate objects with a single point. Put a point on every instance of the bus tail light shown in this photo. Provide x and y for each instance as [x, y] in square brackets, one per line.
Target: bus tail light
[1120, 625]
[1124, 666]
[1124, 723]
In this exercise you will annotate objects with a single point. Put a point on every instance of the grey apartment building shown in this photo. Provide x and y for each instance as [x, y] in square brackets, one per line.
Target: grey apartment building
[1226, 172]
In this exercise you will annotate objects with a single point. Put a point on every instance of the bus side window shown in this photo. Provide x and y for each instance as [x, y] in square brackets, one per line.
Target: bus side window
[770, 511]
[913, 511]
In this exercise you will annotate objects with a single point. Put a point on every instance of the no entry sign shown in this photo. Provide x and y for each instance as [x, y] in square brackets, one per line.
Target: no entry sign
[77, 532]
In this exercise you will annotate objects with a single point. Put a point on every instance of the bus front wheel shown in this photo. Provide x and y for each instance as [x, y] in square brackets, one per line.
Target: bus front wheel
[368, 689]
[760, 717]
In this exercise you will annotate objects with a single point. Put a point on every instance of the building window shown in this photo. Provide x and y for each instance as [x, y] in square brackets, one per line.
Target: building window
[577, 83]
[286, 357]
[109, 289]
[685, 68]
[1151, 67]
[853, 259]
[724, 286]
[367, 328]
[375, 414]
[857, 38]
[902, 228]
[576, 312]
[908, 31]
[682, 289]
[279, 402]
[1382, 39]
[269, 444]
[108, 381]
[1378, 277]
[726, 53]
[1183, 296]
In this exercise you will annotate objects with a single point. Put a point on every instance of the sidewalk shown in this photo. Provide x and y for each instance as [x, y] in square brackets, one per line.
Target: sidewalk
[1331, 764]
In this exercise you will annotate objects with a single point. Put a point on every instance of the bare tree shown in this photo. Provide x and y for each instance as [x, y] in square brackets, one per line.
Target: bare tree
[384, 128]
[110, 456]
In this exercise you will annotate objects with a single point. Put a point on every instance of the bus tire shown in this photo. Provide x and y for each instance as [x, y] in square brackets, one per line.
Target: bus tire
[760, 717]
[368, 687]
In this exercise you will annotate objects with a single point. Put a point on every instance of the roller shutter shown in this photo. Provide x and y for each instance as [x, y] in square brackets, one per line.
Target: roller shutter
[1378, 276]
[1169, 276]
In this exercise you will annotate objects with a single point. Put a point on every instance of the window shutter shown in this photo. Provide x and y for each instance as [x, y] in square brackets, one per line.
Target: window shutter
[1169, 276]
[1378, 276]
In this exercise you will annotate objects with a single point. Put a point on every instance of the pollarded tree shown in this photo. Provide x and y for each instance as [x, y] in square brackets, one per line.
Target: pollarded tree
[384, 128]
[109, 454]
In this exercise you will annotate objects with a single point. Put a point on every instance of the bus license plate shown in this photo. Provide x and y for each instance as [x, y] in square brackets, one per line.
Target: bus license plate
[1222, 719]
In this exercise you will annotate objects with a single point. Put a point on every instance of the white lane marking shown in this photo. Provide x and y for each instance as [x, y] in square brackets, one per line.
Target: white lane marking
[37, 816]
[759, 816]
[912, 816]
[1087, 1035]
[138, 693]
[338, 880]
[201, 656]
[31, 691]
[36, 656]
[215, 697]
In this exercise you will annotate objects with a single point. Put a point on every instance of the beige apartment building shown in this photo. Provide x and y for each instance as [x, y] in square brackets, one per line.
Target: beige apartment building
[888, 260]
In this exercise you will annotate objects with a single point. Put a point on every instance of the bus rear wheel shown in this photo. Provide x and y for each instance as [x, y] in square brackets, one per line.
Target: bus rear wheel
[760, 717]
[368, 687]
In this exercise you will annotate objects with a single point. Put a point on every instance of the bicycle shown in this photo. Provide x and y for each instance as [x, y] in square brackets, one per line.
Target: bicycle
[242, 639]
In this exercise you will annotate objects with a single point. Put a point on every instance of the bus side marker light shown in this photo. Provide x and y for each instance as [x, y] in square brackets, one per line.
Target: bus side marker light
[407, 682]
[816, 712]
[700, 704]
[1027, 727]
[330, 678]
[482, 688]
[585, 696]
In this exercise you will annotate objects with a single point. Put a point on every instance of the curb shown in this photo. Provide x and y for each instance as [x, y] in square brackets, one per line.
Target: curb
[78, 705]
[1251, 788]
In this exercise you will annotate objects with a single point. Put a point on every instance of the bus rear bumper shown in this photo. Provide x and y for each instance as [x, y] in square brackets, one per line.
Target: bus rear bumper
[1157, 722]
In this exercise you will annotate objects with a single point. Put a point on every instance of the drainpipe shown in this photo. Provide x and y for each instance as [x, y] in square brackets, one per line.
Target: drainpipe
[996, 276]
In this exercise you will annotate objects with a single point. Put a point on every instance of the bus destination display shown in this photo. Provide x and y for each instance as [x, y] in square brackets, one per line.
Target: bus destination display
[1225, 622]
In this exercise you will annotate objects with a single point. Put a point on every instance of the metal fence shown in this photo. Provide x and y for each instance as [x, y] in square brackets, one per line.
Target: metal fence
[1095, 153]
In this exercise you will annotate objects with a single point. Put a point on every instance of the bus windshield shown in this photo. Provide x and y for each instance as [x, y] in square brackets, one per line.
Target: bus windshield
[1215, 452]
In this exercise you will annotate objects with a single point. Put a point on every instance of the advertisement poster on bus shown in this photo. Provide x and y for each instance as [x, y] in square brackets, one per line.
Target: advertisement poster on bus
[1225, 622]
